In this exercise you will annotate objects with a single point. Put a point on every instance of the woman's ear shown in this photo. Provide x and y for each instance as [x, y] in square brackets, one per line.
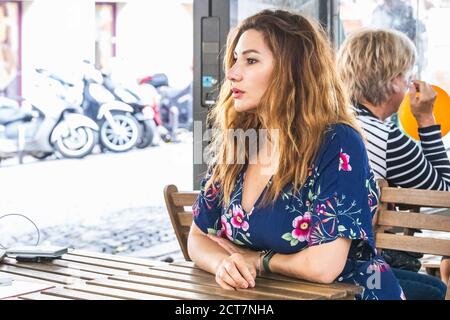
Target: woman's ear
[396, 84]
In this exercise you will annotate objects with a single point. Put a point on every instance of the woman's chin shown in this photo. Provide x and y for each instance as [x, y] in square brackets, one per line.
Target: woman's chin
[239, 107]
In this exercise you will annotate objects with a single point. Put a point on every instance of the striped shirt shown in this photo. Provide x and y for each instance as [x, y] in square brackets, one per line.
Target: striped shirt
[400, 160]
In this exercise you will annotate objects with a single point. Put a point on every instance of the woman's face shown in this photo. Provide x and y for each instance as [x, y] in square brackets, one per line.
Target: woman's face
[252, 71]
[401, 84]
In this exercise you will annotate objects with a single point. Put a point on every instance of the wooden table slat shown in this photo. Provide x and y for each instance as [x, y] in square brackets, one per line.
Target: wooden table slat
[38, 274]
[115, 258]
[166, 292]
[118, 293]
[77, 295]
[101, 262]
[350, 288]
[85, 267]
[65, 271]
[195, 284]
[298, 288]
[24, 278]
[40, 296]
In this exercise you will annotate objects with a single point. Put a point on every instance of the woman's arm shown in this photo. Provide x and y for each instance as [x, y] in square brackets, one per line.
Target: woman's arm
[409, 166]
[232, 271]
[321, 263]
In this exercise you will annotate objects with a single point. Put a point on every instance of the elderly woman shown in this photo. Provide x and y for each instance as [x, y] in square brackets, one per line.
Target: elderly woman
[376, 67]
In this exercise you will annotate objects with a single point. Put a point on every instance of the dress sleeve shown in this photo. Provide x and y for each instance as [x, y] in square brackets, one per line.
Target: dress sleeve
[344, 196]
[207, 207]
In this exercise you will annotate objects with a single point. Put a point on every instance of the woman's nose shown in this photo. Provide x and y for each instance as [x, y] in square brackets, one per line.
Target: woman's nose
[234, 73]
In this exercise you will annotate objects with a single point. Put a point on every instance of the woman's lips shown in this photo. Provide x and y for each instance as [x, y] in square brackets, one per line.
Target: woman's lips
[236, 93]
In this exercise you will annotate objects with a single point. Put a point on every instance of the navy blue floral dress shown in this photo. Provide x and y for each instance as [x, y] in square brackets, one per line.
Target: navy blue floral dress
[338, 199]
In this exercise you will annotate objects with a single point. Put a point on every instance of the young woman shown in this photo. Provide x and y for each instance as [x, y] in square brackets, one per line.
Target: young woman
[376, 67]
[302, 202]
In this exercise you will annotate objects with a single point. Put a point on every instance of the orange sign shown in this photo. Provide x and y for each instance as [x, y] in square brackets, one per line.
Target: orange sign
[441, 113]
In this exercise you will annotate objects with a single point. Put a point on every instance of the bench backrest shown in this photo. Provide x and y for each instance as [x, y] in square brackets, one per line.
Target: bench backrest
[387, 219]
[179, 206]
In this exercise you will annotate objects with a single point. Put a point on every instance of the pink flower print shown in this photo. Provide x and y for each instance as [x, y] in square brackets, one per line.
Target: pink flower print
[320, 209]
[225, 231]
[301, 227]
[344, 162]
[196, 208]
[237, 220]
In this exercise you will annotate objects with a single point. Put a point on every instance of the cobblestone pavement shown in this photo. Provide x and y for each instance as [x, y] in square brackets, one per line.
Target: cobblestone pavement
[142, 233]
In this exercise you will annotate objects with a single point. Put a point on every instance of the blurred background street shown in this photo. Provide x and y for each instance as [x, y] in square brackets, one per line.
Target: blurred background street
[110, 202]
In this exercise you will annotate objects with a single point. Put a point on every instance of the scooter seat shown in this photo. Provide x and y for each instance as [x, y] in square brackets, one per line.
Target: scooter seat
[10, 115]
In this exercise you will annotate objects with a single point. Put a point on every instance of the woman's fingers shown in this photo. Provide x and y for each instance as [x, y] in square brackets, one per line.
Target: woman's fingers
[224, 284]
[244, 270]
[236, 275]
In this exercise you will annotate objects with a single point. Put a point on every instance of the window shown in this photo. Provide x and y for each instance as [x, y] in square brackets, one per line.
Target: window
[425, 22]
[9, 49]
[105, 18]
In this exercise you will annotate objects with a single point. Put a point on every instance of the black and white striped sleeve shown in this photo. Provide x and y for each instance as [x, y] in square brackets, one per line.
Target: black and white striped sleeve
[411, 166]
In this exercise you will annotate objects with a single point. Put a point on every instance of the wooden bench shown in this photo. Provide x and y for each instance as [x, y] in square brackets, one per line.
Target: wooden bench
[408, 220]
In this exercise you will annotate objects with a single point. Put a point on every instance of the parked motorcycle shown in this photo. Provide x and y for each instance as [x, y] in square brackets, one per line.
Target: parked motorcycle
[175, 105]
[44, 124]
[119, 130]
[142, 111]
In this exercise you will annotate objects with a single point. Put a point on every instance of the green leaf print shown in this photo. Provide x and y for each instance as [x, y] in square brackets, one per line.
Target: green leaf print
[245, 238]
[212, 231]
[294, 242]
[287, 236]
[341, 228]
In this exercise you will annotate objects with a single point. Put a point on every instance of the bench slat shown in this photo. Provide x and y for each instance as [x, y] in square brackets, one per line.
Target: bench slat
[433, 222]
[423, 198]
[184, 199]
[414, 244]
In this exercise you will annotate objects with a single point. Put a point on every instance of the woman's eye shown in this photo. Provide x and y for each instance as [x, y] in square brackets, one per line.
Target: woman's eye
[251, 61]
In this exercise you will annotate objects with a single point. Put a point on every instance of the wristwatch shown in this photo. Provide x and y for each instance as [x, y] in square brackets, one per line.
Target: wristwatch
[266, 258]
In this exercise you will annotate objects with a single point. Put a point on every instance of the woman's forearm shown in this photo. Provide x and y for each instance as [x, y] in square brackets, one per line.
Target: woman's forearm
[205, 253]
[322, 263]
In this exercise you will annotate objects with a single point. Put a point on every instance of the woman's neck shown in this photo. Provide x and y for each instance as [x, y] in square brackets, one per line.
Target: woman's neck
[381, 111]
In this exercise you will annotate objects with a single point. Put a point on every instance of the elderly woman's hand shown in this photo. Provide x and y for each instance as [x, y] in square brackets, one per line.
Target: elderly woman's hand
[422, 104]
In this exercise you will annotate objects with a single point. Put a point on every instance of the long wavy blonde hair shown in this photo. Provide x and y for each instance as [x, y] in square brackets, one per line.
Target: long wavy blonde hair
[304, 97]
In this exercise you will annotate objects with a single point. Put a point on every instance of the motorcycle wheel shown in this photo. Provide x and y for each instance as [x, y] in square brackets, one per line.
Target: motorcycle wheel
[78, 145]
[126, 139]
[147, 135]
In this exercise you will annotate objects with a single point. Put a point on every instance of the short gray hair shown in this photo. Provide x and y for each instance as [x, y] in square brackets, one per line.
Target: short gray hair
[370, 59]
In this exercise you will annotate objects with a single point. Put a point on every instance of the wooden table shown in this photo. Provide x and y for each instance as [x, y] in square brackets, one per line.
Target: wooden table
[96, 276]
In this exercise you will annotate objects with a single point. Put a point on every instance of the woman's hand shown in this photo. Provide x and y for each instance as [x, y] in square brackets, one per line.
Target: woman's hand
[422, 105]
[246, 262]
[235, 272]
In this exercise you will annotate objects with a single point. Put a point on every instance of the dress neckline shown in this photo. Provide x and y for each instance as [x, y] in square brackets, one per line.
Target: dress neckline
[242, 179]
